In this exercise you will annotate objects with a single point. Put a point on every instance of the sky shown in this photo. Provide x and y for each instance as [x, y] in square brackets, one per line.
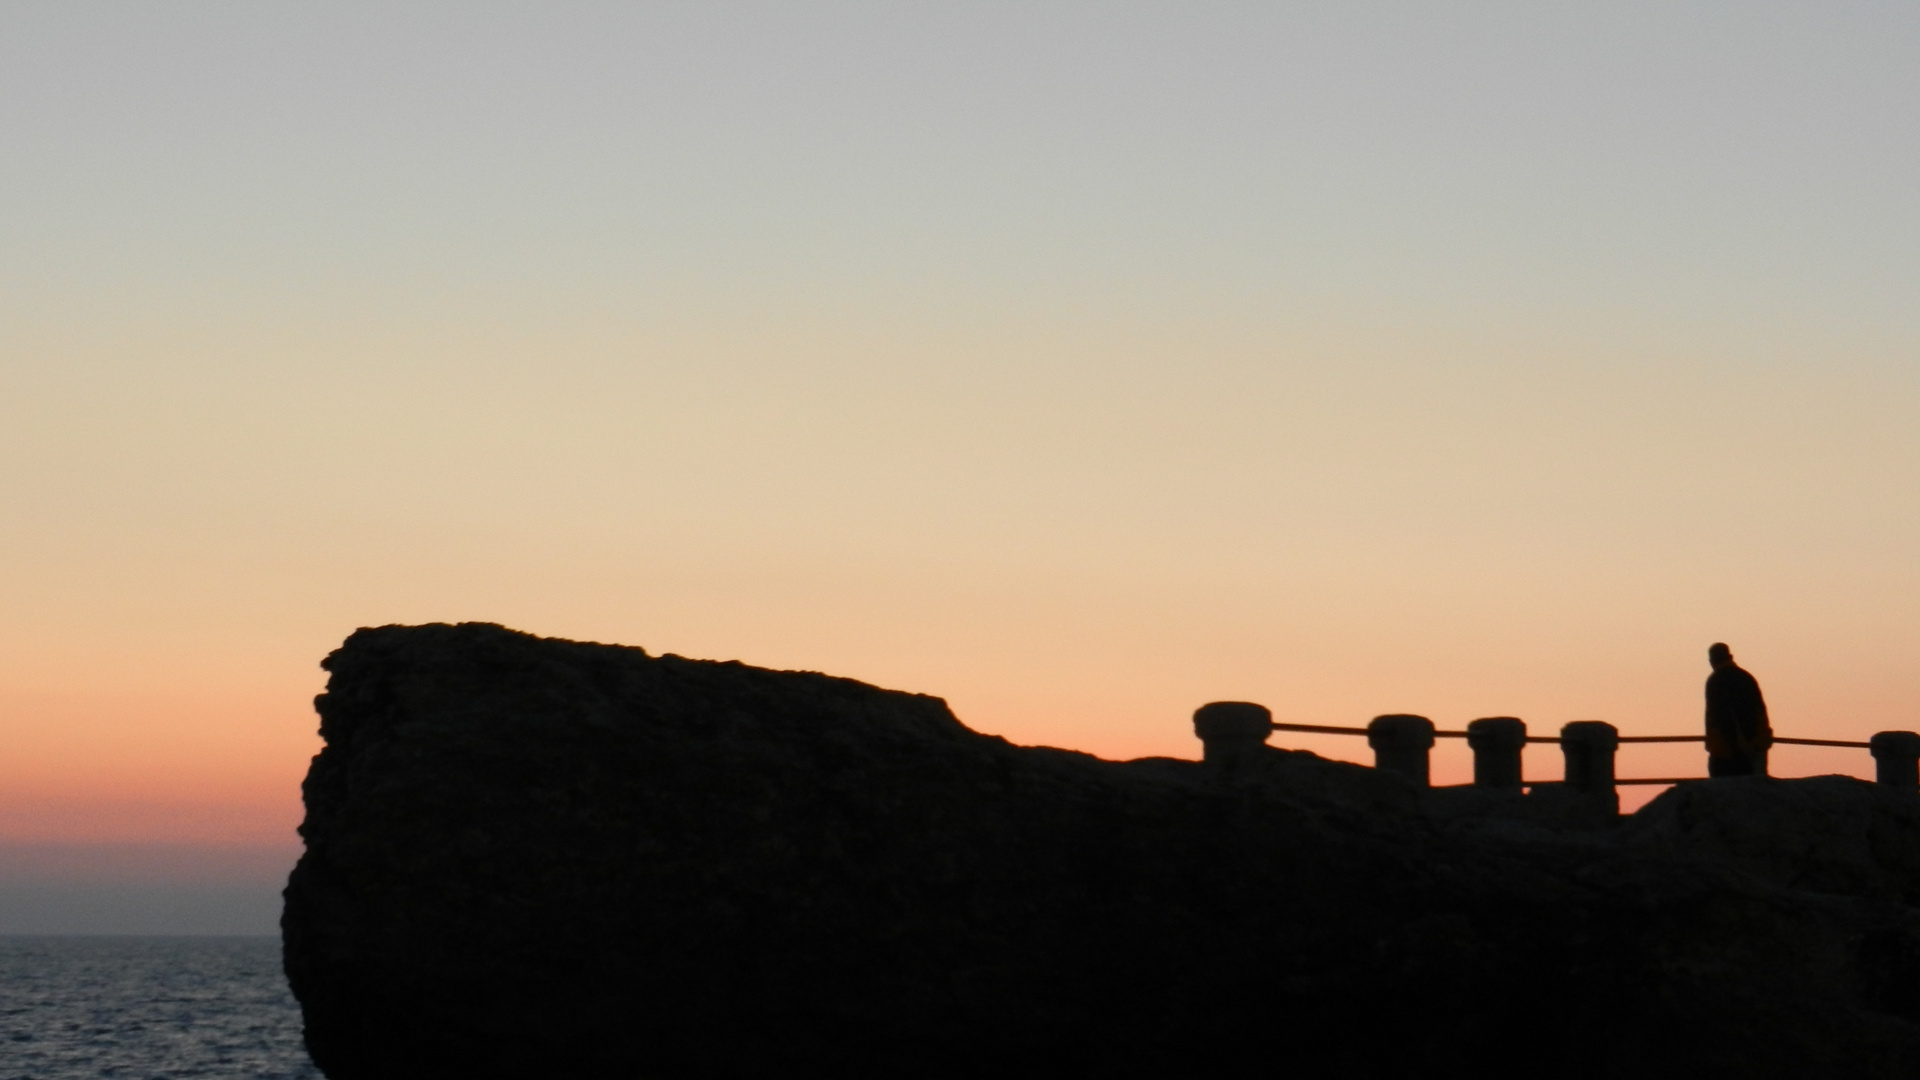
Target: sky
[1077, 363]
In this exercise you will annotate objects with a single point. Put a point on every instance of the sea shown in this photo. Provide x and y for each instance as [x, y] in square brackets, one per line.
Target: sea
[147, 1008]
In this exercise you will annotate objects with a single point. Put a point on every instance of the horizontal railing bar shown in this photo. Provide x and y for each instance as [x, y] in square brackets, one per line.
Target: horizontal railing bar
[1321, 728]
[1626, 780]
[1617, 780]
[1824, 742]
[1328, 729]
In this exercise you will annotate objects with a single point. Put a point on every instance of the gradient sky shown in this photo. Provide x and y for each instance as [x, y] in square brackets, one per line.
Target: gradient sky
[1079, 363]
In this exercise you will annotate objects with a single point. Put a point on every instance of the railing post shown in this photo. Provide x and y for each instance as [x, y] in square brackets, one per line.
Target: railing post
[1231, 731]
[1401, 744]
[1589, 746]
[1896, 758]
[1497, 742]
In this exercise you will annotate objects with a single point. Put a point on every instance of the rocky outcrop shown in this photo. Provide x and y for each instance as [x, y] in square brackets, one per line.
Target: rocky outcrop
[538, 858]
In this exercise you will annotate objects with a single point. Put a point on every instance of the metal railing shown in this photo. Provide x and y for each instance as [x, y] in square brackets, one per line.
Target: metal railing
[1402, 744]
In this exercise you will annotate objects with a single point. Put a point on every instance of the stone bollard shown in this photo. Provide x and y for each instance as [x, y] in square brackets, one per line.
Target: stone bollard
[1231, 731]
[1401, 744]
[1589, 746]
[1497, 742]
[1896, 757]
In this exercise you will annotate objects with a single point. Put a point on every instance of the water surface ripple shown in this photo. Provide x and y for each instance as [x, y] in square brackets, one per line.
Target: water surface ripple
[147, 1009]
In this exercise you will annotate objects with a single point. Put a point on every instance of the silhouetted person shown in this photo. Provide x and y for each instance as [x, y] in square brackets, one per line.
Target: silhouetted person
[1738, 733]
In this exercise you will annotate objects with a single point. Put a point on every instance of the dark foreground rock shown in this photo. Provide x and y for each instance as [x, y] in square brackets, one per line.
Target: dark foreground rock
[534, 858]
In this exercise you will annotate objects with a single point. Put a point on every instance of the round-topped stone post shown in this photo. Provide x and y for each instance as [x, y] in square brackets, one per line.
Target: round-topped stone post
[1589, 747]
[1896, 758]
[1497, 742]
[1231, 731]
[1401, 744]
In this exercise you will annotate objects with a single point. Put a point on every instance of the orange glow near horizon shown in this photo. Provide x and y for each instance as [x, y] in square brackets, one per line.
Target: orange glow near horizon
[125, 768]
[224, 770]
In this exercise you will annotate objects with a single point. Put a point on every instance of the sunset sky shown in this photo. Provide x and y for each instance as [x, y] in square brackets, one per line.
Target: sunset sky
[1078, 363]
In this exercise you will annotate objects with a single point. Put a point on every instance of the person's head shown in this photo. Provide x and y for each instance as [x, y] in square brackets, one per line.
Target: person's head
[1719, 655]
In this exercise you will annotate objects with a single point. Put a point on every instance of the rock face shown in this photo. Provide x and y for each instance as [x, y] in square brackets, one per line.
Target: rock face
[534, 858]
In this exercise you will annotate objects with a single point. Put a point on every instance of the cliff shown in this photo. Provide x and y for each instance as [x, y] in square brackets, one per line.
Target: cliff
[538, 858]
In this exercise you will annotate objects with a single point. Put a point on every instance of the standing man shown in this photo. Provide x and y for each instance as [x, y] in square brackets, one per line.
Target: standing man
[1738, 733]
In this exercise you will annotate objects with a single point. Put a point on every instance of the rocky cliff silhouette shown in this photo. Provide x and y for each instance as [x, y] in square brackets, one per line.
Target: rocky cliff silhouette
[538, 858]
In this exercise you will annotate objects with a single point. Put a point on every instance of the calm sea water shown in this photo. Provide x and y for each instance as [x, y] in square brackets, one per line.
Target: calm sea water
[146, 1009]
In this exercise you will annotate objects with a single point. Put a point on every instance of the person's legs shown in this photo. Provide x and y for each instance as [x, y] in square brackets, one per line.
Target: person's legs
[1730, 765]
